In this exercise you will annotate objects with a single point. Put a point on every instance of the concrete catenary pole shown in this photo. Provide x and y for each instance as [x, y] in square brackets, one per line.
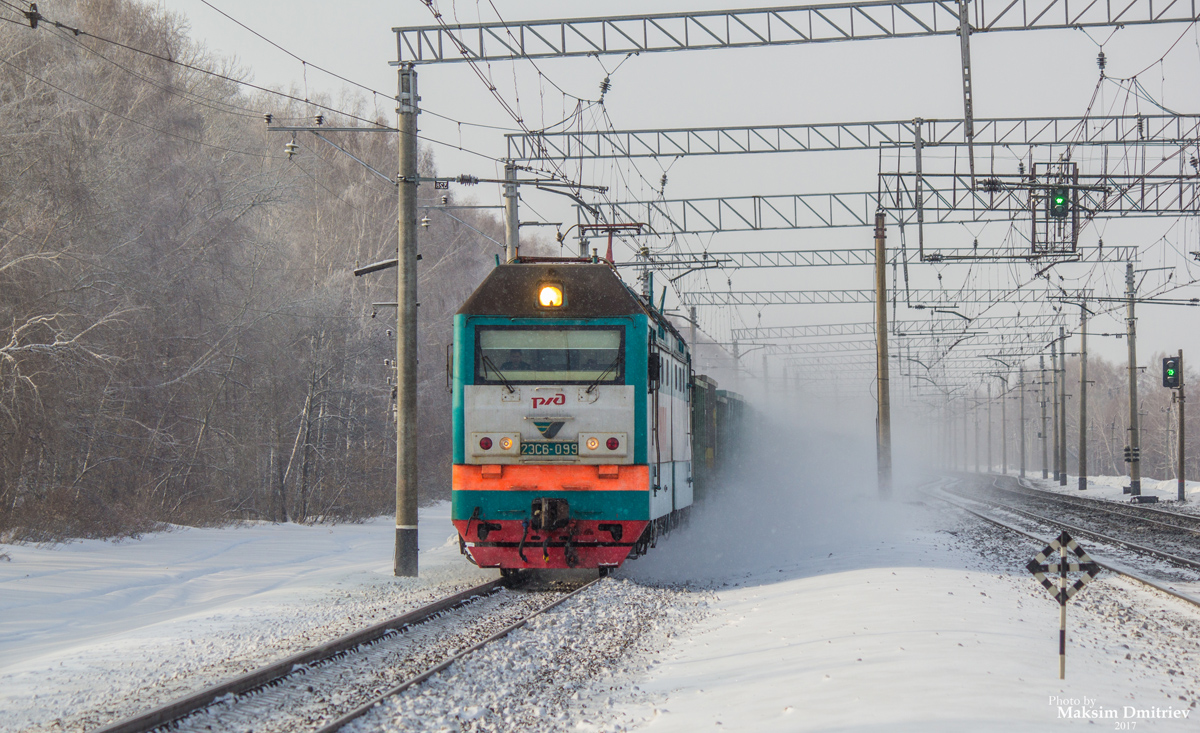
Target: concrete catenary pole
[975, 415]
[989, 427]
[966, 435]
[1021, 431]
[1182, 493]
[1004, 427]
[947, 448]
[883, 431]
[1083, 418]
[1062, 402]
[512, 225]
[1042, 431]
[948, 434]
[692, 336]
[1054, 397]
[1135, 464]
[405, 558]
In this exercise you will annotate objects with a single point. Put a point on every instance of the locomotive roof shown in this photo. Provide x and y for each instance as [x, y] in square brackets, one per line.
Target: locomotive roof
[589, 291]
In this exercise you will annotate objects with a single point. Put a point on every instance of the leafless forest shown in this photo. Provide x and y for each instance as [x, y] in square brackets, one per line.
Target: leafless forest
[1108, 420]
[1107, 423]
[181, 337]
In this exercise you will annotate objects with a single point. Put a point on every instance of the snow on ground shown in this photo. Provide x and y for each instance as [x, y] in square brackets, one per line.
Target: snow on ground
[900, 617]
[1109, 487]
[121, 626]
[782, 607]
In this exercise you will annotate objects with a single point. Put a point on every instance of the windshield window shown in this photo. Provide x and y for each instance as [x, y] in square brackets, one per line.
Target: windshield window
[558, 355]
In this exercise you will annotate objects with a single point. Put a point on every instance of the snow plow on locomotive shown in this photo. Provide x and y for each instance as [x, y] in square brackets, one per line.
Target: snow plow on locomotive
[574, 419]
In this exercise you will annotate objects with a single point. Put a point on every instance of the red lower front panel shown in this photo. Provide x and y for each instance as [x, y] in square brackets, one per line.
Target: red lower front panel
[581, 544]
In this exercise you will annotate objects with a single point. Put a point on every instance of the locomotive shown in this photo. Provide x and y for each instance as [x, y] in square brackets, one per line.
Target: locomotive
[575, 416]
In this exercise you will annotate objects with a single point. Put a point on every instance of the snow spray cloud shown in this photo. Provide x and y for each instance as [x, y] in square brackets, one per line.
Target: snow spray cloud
[798, 484]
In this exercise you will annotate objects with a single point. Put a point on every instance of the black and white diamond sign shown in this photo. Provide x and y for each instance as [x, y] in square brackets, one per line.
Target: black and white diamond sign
[1064, 590]
[1041, 569]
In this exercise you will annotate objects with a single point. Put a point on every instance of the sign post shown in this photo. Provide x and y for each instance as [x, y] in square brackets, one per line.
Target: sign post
[1063, 592]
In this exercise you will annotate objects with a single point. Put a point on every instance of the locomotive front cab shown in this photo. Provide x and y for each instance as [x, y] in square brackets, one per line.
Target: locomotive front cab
[549, 416]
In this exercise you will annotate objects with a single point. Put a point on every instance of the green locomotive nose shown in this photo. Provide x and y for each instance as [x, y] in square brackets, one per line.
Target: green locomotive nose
[574, 419]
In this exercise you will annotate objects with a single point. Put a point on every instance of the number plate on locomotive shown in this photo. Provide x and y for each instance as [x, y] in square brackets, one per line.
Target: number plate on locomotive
[550, 448]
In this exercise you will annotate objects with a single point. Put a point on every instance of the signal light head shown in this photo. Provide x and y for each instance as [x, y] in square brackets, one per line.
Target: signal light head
[1059, 203]
[1171, 373]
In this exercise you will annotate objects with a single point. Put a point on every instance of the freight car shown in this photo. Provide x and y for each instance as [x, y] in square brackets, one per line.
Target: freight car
[575, 411]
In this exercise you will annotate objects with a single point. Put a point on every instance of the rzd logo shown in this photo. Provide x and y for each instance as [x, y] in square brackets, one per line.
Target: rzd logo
[558, 399]
[547, 428]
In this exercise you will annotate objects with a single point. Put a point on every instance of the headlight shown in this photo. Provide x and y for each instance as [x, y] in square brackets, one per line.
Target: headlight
[593, 443]
[550, 296]
[505, 443]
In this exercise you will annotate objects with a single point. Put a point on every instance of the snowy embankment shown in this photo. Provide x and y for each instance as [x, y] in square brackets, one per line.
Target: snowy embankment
[113, 626]
[1110, 488]
[808, 610]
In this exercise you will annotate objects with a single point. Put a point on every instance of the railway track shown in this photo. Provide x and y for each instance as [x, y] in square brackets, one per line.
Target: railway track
[328, 686]
[956, 501]
[1189, 523]
[1166, 535]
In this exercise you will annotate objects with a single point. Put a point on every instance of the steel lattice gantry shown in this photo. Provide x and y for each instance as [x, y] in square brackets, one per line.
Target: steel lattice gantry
[669, 262]
[925, 344]
[1139, 130]
[943, 198]
[745, 28]
[931, 327]
[967, 362]
[916, 297]
[950, 197]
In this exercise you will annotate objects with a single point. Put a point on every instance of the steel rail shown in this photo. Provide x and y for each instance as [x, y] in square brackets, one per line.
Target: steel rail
[1183, 561]
[264, 676]
[1106, 564]
[363, 709]
[1094, 505]
[1137, 507]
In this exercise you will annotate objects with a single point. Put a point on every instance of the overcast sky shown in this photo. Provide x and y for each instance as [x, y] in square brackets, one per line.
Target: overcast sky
[1042, 73]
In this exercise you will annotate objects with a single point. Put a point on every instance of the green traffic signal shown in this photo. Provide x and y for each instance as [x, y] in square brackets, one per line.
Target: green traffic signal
[1171, 375]
[1059, 203]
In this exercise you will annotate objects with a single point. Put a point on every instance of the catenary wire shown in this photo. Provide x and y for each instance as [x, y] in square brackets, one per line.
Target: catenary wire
[293, 55]
[133, 121]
